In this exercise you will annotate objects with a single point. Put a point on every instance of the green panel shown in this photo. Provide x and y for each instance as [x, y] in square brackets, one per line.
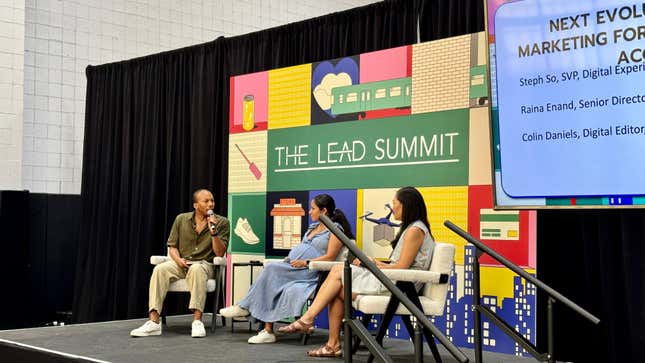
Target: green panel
[592, 201]
[491, 234]
[252, 207]
[379, 95]
[429, 149]
[478, 82]
[558, 201]
[638, 200]
[495, 123]
[499, 217]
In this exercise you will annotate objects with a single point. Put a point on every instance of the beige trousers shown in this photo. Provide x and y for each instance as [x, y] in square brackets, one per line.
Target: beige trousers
[168, 272]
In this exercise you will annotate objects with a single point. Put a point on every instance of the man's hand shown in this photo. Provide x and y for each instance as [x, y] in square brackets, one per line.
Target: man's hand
[298, 263]
[212, 222]
[357, 262]
[181, 262]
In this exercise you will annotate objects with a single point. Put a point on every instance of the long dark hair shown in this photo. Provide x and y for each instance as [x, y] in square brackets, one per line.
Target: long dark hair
[414, 209]
[325, 201]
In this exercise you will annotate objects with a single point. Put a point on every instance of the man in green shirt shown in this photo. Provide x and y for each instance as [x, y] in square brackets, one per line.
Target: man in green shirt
[195, 239]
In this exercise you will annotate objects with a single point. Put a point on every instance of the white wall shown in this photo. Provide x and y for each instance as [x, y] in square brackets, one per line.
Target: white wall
[12, 30]
[61, 37]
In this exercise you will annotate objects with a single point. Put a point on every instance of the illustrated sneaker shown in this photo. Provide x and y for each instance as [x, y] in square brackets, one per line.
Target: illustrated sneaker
[245, 232]
[149, 328]
[234, 311]
[263, 337]
[249, 231]
[197, 330]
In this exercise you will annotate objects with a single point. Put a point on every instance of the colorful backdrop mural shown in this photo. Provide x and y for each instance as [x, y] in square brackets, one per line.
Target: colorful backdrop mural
[359, 128]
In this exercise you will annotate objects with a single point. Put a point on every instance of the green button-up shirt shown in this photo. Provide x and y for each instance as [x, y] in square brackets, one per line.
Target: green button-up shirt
[195, 246]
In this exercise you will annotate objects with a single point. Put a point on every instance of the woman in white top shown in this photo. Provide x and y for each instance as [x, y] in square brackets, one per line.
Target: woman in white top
[413, 247]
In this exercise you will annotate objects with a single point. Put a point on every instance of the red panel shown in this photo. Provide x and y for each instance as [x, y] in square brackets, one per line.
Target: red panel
[481, 197]
[388, 112]
[409, 60]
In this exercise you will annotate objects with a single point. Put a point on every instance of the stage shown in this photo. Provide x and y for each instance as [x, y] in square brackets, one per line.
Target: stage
[111, 342]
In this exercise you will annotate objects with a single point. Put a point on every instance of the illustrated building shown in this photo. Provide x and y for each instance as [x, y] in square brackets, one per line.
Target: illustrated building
[287, 221]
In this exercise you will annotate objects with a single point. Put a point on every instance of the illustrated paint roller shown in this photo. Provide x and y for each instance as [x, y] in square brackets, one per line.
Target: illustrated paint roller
[252, 167]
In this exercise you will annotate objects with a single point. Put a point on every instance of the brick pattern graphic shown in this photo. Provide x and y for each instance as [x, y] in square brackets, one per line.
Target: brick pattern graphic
[12, 40]
[440, 75]
[61, 37]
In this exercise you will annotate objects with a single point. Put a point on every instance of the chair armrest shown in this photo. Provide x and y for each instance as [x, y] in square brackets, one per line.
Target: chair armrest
[219, 261]
[416, 275]
[272, 260]
[323, 265]
[156, 260]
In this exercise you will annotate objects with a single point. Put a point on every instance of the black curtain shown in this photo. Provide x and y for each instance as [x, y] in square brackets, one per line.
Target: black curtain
[156, 128]
[595, 258]
[151, 137]
[449, 18]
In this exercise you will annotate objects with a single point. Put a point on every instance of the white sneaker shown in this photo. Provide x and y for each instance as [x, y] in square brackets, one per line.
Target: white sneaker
[150, 328]
[234, 311]
[262, 338]
[198, 330]
[245, 232]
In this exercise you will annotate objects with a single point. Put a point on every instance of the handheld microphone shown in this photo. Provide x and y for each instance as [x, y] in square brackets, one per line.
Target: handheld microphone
[211, 225]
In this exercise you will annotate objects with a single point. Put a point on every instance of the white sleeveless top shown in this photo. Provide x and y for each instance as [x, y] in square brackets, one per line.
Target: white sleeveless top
[363, 282]
[424, 256]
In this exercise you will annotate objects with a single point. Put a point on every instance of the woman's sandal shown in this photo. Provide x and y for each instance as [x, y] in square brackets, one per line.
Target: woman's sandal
[297, 326]
[326, 351]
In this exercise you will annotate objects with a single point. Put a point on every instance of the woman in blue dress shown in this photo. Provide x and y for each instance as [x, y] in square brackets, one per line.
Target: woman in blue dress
[412, 249]
[282, 288]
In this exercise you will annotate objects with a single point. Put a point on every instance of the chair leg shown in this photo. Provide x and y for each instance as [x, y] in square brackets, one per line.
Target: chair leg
[223, 292]
[214, 316]
[365, 320]
[163, 317]
[408, 324]
[392, 305]
[304, 339]
[426, 332]
[418, 344]
[432, 344]
[218, 285]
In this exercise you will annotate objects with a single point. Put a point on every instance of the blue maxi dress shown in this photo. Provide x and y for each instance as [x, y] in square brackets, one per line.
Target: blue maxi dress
[281, 291]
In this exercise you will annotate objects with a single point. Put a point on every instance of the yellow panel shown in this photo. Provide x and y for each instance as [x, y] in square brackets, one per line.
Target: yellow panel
[447, 203]
[359, 222]
[498, 281]
[290, 97]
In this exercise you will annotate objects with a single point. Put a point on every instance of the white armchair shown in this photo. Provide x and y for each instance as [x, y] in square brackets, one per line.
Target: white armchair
[216, 284]
[431, 299]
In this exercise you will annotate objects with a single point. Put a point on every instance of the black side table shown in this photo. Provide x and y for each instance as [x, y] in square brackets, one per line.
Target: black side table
[251, 265]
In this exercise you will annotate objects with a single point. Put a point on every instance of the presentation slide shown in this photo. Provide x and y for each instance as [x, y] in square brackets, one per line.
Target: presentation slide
[569, 86]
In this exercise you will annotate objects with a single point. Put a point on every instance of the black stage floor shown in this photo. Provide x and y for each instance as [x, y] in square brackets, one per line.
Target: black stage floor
[110, 341]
